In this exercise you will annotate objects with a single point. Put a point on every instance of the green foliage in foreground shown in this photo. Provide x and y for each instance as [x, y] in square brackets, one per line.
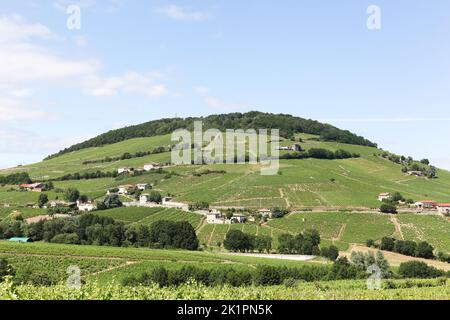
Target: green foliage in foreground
[436, 289]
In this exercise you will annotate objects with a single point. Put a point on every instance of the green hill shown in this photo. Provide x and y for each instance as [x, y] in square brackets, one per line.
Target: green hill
[302, 184]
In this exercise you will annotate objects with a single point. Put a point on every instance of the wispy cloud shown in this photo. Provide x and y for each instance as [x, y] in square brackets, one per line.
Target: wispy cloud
[216, 103]
[129, 83]
[183, 14]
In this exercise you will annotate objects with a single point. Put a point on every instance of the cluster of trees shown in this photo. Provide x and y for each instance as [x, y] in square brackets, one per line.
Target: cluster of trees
[390, 205]
[109, 174]
[15, 178]
[90, 229]
[409, 164]
[128, 155]
[287, 124]
[279, 212]
[428, 171]
[199, 205]
[304, 243]
[206, 172]
[320, 153]
[365, 260]
[418, 269]
[238, 241]
[409, 248]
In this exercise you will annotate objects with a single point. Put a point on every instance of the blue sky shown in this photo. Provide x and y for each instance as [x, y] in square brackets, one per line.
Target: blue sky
[139, 60]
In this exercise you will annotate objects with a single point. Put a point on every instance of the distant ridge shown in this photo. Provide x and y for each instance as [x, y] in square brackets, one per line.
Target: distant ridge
[287, 124]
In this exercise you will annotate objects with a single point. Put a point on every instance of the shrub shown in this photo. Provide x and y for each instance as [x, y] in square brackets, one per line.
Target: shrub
[388, 208]
[331, 253]
[418, 269]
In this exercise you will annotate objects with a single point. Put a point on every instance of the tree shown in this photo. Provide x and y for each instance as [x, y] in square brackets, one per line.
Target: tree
[387, 243]
[263, 243]
[155, 196]
[236, 240]
[388, 208]
[425, 161]
[72, 194]
[424, 250]
[43, 199]
[286, 243]
[112, 201]
[331, 253]
[431, 172]
[396, 197]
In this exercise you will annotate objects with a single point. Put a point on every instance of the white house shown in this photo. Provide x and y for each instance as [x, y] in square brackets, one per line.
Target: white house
[151, 166]
[415, 173]
[215, 217]
[444, 208]
[125, 189]
[238, 218]
[143, 198]
[125, 170]
[384, 196]
[265, 213]
[426, 204]
[142, 186]
[85, 206]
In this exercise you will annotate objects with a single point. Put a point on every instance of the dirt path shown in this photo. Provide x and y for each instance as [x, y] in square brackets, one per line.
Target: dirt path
[211, 235]
[126, 264]
[282, 196]
[398, 227]
[341, 233]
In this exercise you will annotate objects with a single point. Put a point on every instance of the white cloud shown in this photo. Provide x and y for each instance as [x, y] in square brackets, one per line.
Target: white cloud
[216, 103]
[22, 61]
[102, 5]
[179, 13]
[129, 83]
[13, 109]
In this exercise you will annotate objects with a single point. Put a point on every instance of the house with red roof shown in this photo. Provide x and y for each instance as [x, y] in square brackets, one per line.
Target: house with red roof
[426, 204]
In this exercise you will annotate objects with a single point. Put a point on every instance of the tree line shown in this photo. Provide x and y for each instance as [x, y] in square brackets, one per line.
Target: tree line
[127, 155]
[90, 229]
[320, 153]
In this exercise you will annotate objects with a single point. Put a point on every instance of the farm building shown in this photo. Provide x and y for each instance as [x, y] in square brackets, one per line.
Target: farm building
[384, 196]
[35, 187]
[444, 208]
[415, 173]
[426, 204]
[215, 217]
[152, 166]
[142, 186]
[237, 218]
[21, 240]
[296, 147]
[126, 189]
[143, 198]
[265, 213]
[125, 170]
[85, 206]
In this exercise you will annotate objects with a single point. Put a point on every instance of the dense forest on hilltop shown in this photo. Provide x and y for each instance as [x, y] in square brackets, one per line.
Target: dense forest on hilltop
[287, 124]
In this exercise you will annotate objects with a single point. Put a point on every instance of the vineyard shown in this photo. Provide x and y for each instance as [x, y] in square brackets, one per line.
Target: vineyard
[336, 290]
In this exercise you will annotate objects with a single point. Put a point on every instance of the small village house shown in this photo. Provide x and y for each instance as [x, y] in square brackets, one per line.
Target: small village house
[415, 173]
[126, 189]
[238, 218]
[86, 206]
[125, 170]
[215, 217]
[444, 208]
[296, 147]
[265, 213]
[143, 198]
[142, 186]
[34, 187]
[426, 204]
[384, 196]
[152, 166]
